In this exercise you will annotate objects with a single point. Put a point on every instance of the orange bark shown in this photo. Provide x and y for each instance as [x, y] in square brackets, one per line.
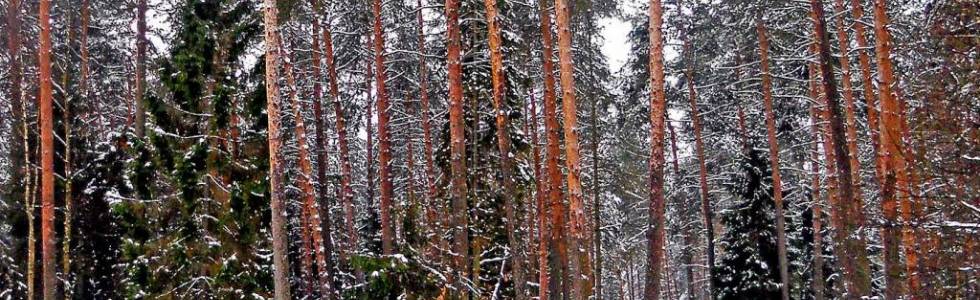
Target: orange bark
[857, 273]
[848, 92]
[777, 185]
[658, 109]
[503, 146]
[558, 254]
[579, 261]
[50, 284]
[278, 222]
[384, 137]
[457, 136]
[816, 204]
[894, 188]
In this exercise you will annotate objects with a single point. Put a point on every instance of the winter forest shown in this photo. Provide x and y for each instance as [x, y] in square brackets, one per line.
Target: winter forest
[495, 149]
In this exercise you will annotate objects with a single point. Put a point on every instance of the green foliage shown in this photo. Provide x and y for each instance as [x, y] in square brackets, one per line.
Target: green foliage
[392, 276]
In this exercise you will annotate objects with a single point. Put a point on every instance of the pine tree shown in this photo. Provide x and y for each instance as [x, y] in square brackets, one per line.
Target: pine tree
[748, 269]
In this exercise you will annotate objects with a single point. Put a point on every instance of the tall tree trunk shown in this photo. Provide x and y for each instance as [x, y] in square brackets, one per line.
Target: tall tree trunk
[540, 190]
[743, 131]
[658, 109]
[706, 210]
[894, 188]
[777, 185]
[457, 145]
[45, 100]
[816, 205]
[867, 84]
[579, 260]
[66, 160]
[503, 147]
[855, 260]
[433, 209]
[140, 68]
[557, 255]
[278, 222]
[324, 264]
[346, 192]
[369, 114]
[847, 91]
[384, 137]
[320, 136]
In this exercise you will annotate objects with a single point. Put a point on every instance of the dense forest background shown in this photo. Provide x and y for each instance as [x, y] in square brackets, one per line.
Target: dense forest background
[464, 149]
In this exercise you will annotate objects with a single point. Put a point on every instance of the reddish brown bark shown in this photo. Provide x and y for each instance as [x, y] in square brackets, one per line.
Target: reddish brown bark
[658, 108]
[278, 222]
[870, 101]
[816, 205]
[50, 284]
[503, 146]
[434, 209]
[580, 272]
[140, 81]
[557, 254]
[857, 276]
[848, 93]
[540, 199]
[384, 137]
[894, 188]
[318, 246]
[457, 144]
[346, 193]
[777, 185]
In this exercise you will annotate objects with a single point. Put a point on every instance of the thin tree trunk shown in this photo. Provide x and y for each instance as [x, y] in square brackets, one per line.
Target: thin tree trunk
[369, 109]
[777, 185]
[503, 147]
[658, 109]
[894, 187]
[539, 199]
[579, 260]
[816, 205]
[706, 209]
[433, 209]
[557, 255]
[743, 131]
[323, 273]
[320, 137]
[140, 80]
[384, 137]
[457, 132]
[278, 222]
[346, 192]
[66, 138]
[855, 260]
[848, 93]
[45, 100]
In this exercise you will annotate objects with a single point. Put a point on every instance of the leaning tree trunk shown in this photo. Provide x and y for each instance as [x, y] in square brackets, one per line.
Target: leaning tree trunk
[50, 284]
[552, 285]
[658, 109]
[321, 246]
[503, 146]
[857, 276]
[777, 186]
[384, 137]
[848, 92]
[457, 145]
[894, 187]
[867, 85]
[278, 222]
[579, 261]
[346, 192]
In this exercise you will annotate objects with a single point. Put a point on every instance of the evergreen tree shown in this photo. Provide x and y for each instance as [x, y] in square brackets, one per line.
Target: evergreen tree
[749, 267]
